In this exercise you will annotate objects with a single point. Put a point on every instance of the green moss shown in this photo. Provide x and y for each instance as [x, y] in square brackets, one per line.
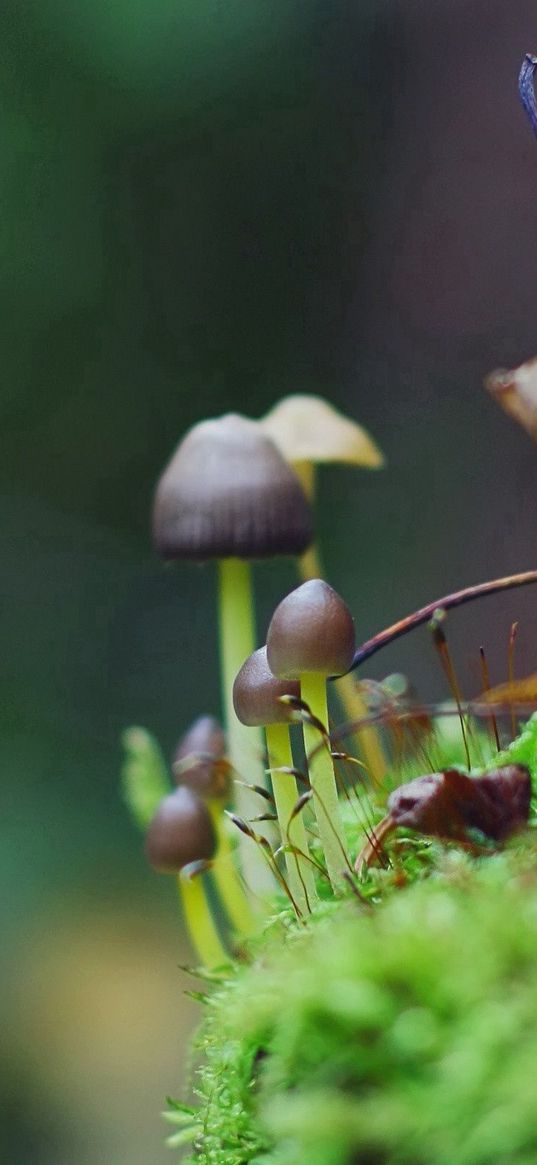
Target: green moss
[399, 1027]
[401, 1035]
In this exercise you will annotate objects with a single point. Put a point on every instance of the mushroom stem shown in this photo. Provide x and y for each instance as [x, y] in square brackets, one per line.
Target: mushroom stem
[286, 795]
[226, 878]
[237, 642]
[322, 778]
[309, 564]
[199, 921]
[305, 471]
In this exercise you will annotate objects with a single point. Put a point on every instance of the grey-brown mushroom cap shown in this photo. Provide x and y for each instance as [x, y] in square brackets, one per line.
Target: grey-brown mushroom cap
[180, 833]
[257, 692]
[311, 630]
[199, 760]
[228, 492]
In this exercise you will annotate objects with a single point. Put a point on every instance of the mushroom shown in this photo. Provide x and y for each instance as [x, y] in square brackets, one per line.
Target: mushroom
[257, 698]
[200, 764]
[309, 431]
[181, 835]
[199, 760]
[310, 637]
[228, 494]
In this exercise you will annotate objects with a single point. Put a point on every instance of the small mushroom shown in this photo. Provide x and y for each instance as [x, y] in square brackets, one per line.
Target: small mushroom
[257, 697]
[310, 637]
[200, 764]
[200, 760]
[311, 632]
[228, 494]
[180, 833]
[309, 431]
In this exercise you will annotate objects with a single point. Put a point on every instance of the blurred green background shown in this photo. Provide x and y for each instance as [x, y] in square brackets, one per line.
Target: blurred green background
[205, 206]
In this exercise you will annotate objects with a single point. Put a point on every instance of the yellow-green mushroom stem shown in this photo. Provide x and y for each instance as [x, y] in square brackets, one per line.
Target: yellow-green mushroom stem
[257, 700]
[322, 776]
[199, 922]
[226, 877]
[292, 828]
[237, 640]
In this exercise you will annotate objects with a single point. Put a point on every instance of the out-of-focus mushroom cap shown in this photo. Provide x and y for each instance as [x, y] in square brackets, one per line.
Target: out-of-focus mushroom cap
[308, 428]
[199, 760]
[228, 492]
[256, 692]
[181, 832]
[312, 630]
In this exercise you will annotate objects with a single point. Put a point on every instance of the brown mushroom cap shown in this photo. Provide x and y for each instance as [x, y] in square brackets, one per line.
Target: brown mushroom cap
[256, 692]
[227, 492]
[312, 630]
[181, 832]
[306, 427]
[199, 760]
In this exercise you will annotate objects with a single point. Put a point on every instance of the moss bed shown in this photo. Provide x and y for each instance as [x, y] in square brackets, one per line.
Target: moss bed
[399, 1027]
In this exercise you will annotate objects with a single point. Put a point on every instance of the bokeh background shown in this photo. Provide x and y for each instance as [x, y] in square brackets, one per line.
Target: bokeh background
[204, 206]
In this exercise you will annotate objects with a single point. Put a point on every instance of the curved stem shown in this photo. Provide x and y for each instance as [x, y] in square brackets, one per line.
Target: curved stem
[424, 614]
[323, 779]
[286, 795]
[200, 923]
[237, 642]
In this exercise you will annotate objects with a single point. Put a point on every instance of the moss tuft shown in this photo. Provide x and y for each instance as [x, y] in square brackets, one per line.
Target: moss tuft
[400, 1035]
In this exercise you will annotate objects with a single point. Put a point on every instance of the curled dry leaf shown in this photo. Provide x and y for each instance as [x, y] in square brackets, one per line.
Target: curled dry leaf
[516, 392]
[450, 804]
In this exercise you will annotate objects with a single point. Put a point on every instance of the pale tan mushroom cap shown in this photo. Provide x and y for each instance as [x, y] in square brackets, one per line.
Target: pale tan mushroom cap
[228, 492]
[307, 428]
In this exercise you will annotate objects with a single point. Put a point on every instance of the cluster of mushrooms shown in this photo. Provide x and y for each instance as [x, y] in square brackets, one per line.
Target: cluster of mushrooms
[238, 490]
